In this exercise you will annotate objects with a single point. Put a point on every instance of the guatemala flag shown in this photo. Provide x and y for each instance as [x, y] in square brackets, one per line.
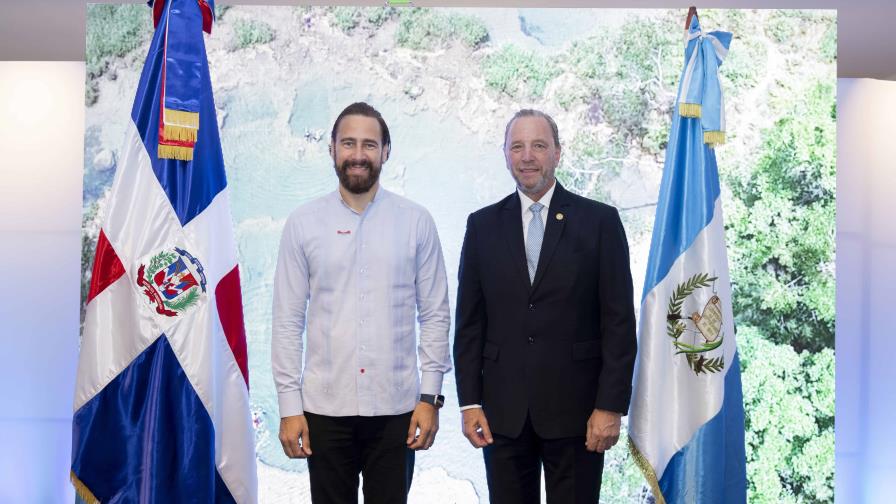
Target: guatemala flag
[161, 411]
[686, 422]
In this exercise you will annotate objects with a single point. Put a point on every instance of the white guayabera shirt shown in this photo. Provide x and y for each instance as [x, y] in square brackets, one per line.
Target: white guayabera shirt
[353, 283]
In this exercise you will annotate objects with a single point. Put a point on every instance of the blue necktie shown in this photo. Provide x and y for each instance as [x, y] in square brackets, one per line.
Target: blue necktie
[534, 239]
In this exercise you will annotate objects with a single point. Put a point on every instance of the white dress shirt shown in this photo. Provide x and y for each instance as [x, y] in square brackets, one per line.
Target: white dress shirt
[353, 283]
[525, 203]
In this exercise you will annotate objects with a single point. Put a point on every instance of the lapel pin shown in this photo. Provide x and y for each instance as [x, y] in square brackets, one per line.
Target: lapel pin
[559, 216]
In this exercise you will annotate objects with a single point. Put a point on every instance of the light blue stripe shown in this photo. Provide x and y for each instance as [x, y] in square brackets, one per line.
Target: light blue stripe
[701, 473]
[688, 193]
[690, 182]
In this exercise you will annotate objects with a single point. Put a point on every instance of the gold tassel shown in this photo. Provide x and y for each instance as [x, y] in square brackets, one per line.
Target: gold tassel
[647, 471]
[175, 152]
[689, 110]
[180, 125]
[182, 118]
[179, 133]
[81, 489]
[713, 138]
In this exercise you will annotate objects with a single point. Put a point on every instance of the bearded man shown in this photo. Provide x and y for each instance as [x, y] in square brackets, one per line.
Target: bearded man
[354, 268]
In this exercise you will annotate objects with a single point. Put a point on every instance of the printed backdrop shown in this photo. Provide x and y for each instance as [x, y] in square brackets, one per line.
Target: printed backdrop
[446, 81]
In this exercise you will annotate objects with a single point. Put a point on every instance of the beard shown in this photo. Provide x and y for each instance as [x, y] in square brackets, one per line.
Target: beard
[534, 186]
[358, 184]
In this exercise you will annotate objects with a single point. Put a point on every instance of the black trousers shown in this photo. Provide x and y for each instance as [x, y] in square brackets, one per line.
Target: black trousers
[572, 474]
[376, 447]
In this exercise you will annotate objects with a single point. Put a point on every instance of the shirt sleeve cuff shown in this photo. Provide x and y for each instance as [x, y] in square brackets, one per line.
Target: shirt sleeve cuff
[290, 404]
[431, 382]
[470, 406]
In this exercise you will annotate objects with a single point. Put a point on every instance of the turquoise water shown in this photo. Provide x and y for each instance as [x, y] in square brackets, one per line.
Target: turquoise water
[273, 168]
[275, 134]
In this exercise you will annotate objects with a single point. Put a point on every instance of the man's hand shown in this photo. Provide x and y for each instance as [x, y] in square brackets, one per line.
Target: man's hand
[423, 428]
[602, 430]
[476, 428]
[294, 436]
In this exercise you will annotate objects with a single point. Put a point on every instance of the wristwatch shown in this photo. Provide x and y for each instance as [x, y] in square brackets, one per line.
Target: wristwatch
[436, 400]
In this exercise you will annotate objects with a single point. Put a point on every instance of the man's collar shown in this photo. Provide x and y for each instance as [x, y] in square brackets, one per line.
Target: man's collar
[526, 201]
[377, 196]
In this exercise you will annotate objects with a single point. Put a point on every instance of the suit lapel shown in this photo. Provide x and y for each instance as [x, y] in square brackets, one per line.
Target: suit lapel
[561, 203]
[512, 227]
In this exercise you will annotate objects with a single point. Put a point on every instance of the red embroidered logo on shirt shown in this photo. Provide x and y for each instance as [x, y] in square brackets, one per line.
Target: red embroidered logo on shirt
[347, 231]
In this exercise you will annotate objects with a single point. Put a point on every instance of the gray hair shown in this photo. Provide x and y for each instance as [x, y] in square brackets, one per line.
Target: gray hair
[534, 113]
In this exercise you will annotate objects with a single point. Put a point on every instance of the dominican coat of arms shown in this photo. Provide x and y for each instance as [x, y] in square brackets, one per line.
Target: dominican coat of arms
[173, 281]
[704, 333]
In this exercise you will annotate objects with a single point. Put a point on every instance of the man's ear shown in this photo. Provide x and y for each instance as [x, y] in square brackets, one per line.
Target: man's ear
[333, 151]
[386, 153]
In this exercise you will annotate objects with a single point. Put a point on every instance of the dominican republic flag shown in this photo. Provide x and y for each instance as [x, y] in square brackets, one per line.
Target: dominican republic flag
[686, 422]
[161, 410]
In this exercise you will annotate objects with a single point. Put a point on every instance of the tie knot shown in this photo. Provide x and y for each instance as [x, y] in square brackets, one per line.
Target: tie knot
[536, 207]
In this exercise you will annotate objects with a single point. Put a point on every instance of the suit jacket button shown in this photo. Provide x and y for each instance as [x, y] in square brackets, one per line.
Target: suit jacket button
[531, 340]
[531, 307]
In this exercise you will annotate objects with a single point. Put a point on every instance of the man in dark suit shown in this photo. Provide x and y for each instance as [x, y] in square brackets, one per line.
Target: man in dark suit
[545, 345]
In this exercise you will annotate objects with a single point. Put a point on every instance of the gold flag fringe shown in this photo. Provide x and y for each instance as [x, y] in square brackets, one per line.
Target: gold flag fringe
[182, 118]
[689, 110]
[647, 471]
[81, 489]
[180, 125]
[179, 133]
[175, 152]
[713, 138]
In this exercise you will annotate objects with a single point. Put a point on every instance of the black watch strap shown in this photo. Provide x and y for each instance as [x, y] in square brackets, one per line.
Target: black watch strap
[436, 400]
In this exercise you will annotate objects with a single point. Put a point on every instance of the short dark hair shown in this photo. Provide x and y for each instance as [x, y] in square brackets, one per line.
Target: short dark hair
[363, 109]
[534, 113]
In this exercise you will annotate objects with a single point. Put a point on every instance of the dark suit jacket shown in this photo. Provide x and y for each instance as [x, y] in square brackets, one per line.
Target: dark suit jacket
[560, 347]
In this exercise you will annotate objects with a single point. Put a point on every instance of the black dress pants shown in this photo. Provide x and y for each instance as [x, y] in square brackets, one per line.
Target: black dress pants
[572, 474]
[343, 447]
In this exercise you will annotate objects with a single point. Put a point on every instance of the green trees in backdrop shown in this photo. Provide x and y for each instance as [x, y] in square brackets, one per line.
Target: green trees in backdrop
[619, 86]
